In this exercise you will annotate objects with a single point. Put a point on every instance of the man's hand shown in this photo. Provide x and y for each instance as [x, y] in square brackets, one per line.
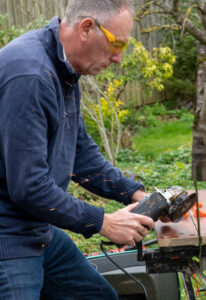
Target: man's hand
[124, 227]
[138, 196]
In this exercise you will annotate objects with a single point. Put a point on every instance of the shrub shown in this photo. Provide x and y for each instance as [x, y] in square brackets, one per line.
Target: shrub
[182, 86]
[9, 33]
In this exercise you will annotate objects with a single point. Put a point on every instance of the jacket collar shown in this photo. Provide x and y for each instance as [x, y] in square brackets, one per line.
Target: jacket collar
[50, 39]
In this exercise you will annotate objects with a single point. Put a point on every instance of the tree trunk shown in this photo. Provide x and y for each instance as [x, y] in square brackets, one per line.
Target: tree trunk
[199, 128]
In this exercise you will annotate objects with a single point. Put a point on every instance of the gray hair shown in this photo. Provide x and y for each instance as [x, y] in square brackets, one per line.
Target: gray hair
[103, 10]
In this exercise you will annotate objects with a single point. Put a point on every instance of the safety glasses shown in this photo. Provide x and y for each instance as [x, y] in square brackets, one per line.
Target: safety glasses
[116, 45]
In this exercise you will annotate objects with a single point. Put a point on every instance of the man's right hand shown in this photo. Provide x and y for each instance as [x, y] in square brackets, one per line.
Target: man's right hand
[124, 227]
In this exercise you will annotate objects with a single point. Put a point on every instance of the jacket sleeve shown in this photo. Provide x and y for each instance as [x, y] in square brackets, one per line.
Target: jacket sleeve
[98, 175]
[27, 106]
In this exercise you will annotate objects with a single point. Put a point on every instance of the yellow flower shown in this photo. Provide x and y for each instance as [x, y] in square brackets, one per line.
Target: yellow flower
[116, 83]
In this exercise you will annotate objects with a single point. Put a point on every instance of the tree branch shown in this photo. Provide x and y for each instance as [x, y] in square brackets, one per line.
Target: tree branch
[175, 11]
[190, 27]
[111, 140]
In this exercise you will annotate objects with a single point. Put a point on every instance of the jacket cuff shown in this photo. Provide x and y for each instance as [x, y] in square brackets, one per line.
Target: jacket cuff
[124, 190]
[91, 222]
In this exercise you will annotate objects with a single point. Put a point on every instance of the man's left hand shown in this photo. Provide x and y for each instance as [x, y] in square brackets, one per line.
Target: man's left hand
[138, 196]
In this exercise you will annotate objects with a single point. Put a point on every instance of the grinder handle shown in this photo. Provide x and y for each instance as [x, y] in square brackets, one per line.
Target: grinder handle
[154, 206]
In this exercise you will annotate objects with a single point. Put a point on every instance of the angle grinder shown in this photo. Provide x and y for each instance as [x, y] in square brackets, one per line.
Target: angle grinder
[173, 202]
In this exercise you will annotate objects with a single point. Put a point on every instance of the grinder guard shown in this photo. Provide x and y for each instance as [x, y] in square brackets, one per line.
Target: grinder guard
[181, 205]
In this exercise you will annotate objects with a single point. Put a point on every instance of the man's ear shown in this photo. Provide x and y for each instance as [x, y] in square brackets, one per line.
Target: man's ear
[87, 29]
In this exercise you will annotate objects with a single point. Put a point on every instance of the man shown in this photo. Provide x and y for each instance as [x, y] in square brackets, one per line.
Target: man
[44, 144]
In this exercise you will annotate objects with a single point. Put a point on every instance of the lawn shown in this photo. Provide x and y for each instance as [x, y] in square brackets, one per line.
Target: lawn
[151, 142]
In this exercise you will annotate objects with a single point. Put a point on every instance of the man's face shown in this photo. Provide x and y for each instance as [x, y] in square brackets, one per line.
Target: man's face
[98, 53]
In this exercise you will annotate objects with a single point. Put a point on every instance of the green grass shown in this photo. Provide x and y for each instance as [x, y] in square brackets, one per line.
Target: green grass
[151, 142]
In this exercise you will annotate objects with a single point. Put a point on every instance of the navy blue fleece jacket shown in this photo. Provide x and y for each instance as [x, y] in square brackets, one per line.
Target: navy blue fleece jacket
[43, 145]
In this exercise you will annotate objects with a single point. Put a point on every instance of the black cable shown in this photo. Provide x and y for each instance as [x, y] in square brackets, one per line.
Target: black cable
[150, 242]
[119, 267]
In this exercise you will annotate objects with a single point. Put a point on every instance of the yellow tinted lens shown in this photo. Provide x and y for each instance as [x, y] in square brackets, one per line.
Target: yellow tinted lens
[118, 46]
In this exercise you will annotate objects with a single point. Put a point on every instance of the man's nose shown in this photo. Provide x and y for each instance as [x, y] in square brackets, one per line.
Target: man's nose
[116, 58]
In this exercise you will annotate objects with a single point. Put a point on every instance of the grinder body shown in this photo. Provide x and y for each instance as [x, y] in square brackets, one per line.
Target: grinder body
[173, 202]
[154, 206]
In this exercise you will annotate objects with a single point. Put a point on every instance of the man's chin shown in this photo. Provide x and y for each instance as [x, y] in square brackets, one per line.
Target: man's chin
[91, 71]
[96, 71]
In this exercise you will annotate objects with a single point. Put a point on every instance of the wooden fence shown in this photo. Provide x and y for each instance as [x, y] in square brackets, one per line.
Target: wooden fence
[21, 12]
